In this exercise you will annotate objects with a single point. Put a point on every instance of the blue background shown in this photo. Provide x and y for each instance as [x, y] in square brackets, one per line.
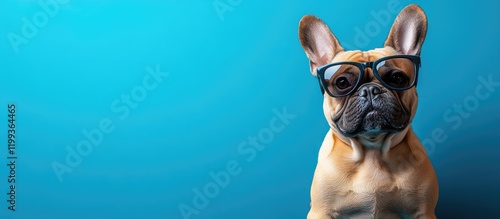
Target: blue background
[225, 78]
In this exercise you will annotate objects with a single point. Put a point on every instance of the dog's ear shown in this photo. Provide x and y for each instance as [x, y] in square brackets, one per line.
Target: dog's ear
[408, 31]
[318, 42]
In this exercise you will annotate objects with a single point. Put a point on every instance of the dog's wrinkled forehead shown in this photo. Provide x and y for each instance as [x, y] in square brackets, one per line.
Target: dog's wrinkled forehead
[363, 56]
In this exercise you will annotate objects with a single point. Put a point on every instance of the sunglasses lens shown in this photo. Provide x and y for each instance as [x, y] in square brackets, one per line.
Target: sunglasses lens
[341, 79]
[397, 73]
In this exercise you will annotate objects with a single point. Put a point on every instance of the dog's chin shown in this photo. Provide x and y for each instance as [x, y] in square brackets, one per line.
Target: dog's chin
[372, 125]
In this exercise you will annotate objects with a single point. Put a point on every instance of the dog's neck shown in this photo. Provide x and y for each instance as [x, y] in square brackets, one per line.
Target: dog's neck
[374, 141]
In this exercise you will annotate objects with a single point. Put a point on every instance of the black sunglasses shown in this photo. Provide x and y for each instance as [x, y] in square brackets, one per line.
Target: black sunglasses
[399, 72]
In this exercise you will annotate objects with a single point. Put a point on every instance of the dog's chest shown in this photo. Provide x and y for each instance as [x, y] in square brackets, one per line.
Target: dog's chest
[371, 176]
[383, 204]
[374, 191]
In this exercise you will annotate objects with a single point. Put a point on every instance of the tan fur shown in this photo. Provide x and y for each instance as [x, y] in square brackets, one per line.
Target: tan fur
[355, 180]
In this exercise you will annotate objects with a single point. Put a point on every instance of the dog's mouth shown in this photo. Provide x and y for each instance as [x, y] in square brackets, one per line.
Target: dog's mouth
[371, 125]
[361, 117]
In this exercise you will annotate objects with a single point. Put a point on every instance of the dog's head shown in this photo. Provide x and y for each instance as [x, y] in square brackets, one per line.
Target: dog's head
[367, 94]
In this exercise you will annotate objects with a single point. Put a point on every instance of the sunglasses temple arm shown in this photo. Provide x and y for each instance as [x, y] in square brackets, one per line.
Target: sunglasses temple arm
[321, 87]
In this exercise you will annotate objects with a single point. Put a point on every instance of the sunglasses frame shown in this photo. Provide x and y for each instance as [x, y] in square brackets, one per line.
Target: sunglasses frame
[320, 73]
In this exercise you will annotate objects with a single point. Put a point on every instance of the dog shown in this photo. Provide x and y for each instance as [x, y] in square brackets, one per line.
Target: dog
[371, 164]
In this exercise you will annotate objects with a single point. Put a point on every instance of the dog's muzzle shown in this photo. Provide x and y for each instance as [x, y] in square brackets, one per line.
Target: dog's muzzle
[372, 108]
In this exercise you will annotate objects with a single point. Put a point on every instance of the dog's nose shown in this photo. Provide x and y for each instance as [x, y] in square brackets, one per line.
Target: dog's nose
[372, 90]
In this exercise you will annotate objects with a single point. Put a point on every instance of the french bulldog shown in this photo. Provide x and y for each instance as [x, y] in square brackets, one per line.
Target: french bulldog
[371, 164]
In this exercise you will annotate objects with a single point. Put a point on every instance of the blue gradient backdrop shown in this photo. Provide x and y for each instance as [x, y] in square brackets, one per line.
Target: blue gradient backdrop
[226, 77]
